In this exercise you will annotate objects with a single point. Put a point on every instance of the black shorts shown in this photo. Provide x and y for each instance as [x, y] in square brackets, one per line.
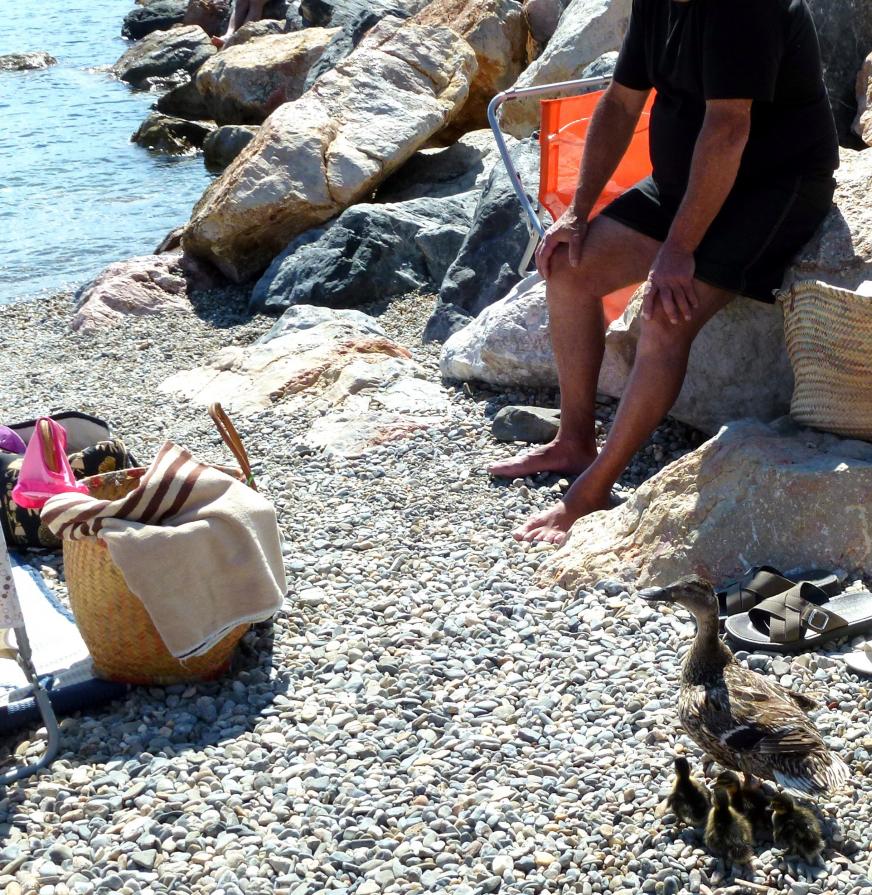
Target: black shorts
[753, 239]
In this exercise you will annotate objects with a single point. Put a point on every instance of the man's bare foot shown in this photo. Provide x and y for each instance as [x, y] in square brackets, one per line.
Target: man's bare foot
[553, 525]
[217, 42]
[569, 457]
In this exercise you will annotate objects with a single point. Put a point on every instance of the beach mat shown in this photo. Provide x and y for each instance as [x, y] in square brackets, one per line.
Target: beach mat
[60, 657]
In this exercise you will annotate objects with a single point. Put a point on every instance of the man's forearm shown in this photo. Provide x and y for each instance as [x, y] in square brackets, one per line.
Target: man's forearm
[608, 137]
[716, 159]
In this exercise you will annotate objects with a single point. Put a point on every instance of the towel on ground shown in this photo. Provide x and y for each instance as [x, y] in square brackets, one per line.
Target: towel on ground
[200, 549]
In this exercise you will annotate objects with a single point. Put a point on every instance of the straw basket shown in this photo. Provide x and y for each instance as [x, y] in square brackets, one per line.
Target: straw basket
[124, 643]
[828, 332]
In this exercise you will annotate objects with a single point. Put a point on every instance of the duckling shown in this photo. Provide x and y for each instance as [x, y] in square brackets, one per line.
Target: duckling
[689, 799]
[748, 800]
[727, 833]
[796, 829]
[740, 718]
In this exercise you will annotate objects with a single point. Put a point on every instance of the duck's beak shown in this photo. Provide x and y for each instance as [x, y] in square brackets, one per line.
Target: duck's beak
[656, 595]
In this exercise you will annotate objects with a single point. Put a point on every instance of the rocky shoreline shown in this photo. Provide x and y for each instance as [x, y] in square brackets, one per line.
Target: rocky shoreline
[424, 714]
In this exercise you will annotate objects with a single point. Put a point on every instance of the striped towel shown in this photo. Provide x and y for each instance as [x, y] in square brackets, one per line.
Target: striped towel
[199, 548]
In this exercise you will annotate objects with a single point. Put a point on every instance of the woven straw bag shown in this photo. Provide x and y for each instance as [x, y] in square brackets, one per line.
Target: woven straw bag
[118, 631]
[828, 332]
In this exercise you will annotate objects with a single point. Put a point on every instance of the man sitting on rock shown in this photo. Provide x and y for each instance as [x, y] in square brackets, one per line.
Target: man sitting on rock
[743, 147]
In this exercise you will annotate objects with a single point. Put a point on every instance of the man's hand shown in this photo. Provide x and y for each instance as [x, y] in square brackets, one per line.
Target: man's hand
[569, 228]
[671, 281]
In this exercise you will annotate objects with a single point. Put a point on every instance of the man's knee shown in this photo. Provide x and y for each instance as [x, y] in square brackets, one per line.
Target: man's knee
[660, 335]
[564, 279]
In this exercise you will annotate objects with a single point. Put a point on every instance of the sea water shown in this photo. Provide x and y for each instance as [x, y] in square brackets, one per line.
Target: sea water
[75, 193]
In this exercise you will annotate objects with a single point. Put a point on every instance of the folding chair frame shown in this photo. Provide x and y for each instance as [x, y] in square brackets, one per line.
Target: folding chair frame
[24, 658]
[582, 85]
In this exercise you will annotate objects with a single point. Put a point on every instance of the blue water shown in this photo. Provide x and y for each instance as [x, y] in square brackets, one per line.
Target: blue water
[75, 193]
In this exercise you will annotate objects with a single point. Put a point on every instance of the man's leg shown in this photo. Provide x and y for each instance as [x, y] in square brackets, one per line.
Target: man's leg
[613, 257]
[654, 384]
[255, 11]
[238, 16]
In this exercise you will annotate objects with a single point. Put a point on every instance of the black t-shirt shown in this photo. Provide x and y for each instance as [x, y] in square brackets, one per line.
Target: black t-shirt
[763, 50]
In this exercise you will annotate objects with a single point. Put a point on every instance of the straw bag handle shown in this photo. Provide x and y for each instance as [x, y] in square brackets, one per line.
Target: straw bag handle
[48, 447]
[231, 438]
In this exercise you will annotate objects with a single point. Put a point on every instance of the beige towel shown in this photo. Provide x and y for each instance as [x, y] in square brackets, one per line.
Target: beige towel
[199, 548]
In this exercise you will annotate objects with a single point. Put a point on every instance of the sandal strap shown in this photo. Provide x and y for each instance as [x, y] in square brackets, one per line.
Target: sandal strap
[755, 585]
[787, 617]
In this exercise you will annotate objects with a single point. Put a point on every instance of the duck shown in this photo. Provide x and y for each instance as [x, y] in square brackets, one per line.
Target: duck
[740, 718]
[727, 833]
[749, 801]
[689, 799]
[796, 829]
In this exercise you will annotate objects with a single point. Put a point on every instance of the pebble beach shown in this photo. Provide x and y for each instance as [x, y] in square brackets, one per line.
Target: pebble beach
[420, 716]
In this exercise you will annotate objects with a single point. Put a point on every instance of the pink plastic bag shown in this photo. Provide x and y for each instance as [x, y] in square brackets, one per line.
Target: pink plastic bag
[45, 470]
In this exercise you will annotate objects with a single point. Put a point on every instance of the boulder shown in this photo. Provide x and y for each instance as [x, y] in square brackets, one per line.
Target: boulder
[149, 284]
[439, 172]
[587, 29]
[844, 30]
[175, 136]
[246, 379]
[841, 251]
[542, 18]
[183, 101]
[26, 61]
[156, 16]
[445, 320]
[339, 13]
[164, 56]
[344, 41]
[321, 153]
[496, 30]
[351, 436]
[754, 494]
[507, 344]
[535, 425]
[254, 30]
[243, 84]
[486, 266]
[370, 252]
[211, 15]
[300, 317]
[223, 144]
[863, 121]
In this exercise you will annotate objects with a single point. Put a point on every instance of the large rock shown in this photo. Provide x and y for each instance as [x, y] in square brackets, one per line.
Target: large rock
[26, 61]
[841, 252]
[486, 266]
[497, 31]
[175, 136]
[507, 344]
[344, 41]
[254, 30]
[315, 156]
[339, 13]
[370, 252]
[863, 121]
[164, 56]
[844, 30]
[542, 17]
[183, 101]
[149, 284]
[243, 84]
[440, 172]
[587, 29]
[246, 379]
[754, 494]
[225, 143]
[156, 16]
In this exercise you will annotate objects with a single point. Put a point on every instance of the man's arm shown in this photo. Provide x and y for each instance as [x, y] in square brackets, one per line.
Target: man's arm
[716, 159]
[608, 136]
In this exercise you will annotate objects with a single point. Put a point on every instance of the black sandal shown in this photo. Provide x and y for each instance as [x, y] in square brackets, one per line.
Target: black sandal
[762, 582]
[796, 621]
